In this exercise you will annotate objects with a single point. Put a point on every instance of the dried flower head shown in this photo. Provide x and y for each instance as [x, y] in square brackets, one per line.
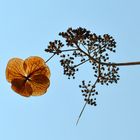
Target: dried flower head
[29, 77]
[81, 46]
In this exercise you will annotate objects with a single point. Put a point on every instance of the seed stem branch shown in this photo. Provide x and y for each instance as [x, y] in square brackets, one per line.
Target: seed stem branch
[86, 103]
[109, 64]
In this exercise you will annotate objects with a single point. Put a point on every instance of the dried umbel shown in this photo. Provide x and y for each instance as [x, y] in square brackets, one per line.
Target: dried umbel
[82, 46]
[86, 47]
[29, 77]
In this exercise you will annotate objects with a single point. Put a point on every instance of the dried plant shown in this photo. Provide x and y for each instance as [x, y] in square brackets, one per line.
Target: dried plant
[82, 47]
[29, 77]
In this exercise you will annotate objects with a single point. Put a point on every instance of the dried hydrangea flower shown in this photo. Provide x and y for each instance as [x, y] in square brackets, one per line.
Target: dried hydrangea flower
[29, 77]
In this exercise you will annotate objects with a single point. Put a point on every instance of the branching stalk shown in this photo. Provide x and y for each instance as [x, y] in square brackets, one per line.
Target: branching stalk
[95, 49]
[50, 58]
[81, 63]
[109, 64]
[85, 103]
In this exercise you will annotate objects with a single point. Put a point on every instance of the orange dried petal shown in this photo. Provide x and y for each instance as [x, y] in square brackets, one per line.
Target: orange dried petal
[44, 70]
[14, 69]
[39, 84]
[36, 65]
[22, 87]
[38, 73]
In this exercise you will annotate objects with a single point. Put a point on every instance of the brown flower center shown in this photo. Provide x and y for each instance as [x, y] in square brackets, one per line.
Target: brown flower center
[27, 77]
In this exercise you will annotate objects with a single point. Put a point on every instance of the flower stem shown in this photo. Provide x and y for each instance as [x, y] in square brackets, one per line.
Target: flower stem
[122, 64]
[81, 63]
[108, 64]
[68, 50]
[81, 113]
[50, 58]
[85, 103]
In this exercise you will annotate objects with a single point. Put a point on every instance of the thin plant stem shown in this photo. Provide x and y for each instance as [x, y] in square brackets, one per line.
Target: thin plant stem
[68, 50]
[85, 104]
[109, 64]
[81, 63]
[81, 113]
[50, 58]
[122, 64]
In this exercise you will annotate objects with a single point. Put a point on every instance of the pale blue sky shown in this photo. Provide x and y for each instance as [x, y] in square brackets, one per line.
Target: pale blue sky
[26, 27]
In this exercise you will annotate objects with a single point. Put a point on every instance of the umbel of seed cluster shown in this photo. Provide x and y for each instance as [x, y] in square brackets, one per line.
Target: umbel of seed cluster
[81, 46]
[88, 91]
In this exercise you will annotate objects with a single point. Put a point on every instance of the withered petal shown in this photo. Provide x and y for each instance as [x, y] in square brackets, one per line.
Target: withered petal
[36, 65]
[14, 69]
[39, 84]
[21, 87]
[29, 77]
[44, 70]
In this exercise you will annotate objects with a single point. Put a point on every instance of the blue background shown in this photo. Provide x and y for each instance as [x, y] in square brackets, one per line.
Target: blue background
[26, 27]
